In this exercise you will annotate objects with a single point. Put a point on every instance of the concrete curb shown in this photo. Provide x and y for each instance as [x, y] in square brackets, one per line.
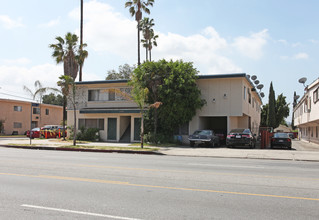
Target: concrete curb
[83, 150]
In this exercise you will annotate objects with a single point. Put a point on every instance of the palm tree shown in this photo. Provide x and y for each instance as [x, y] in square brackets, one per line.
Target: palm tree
[152, 42]
[68, 52]
[146, 27]
[72, 55]
[135, 8]
[38, 90]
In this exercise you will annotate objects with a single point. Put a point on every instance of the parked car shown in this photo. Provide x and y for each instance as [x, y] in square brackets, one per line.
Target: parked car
[50, 131]
[291, 135]
[281, 140]
[241, 137]
[207, 137]
[35, 133]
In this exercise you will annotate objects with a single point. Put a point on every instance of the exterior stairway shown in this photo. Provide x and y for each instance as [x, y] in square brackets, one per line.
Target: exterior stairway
[126, 137]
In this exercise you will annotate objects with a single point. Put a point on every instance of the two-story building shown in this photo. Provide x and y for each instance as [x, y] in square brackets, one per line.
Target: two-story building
[306, 113]
[19, 116]
[232, 102]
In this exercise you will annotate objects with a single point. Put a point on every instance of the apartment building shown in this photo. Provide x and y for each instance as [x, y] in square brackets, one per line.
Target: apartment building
[306, 113]
[19, 116]
[232, 102]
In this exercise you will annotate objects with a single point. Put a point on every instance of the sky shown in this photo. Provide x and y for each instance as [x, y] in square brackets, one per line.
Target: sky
[276, 40]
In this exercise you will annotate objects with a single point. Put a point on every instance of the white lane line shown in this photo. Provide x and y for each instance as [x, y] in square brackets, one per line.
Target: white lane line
[78, 212]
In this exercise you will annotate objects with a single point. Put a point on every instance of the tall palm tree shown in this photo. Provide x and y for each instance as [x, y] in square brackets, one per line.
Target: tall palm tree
[136, 7]
[68, 52]
[146, 27]
[81, 40]
[152, 42]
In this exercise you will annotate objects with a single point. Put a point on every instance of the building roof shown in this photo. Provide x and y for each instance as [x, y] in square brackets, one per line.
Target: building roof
[26, 102]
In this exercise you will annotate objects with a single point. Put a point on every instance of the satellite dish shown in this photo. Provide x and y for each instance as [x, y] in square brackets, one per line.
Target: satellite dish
[262, 95]
[256, 82]
[253, 77]
[248, 76]
[260, 86]
[302, 80]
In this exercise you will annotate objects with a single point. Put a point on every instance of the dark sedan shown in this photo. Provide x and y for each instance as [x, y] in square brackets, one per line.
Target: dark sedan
[281, 140]
[207, 137]
[241, 137]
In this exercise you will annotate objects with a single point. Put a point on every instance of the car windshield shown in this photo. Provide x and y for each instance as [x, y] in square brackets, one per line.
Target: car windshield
[202, 132]
[281, 135]
[241, 131]
[35, 129]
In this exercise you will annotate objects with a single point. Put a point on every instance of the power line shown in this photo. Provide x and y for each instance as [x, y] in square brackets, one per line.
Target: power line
[16, 96]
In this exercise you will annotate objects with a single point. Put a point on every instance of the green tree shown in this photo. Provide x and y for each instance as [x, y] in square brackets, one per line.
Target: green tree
[271, 114]
[135, 8]
[124, 72]
[282, 110]
[264, 113]
[174, 85]
[139, 95]
[66, 83]
[53, 99]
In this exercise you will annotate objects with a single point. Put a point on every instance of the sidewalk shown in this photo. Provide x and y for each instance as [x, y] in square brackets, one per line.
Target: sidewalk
[223, 152]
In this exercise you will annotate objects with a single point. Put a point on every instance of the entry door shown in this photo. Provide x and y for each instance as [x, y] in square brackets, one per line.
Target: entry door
[111, 128]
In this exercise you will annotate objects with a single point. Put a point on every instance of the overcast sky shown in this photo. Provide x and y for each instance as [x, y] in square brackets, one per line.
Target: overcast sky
[276, 40]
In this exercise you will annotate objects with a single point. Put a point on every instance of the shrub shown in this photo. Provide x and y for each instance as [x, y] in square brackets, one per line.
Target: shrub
[88, 134]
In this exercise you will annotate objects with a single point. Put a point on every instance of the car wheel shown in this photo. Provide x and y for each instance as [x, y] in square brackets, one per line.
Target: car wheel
[192, 144]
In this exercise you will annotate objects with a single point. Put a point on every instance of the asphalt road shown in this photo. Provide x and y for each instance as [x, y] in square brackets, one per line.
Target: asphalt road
[38, 184]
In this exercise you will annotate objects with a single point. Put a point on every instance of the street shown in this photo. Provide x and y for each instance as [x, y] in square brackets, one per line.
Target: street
[37, 184]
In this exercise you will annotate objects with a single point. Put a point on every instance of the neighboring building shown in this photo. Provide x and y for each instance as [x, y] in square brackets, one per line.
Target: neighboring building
[306, 113]
[232, 102]
[16, 115]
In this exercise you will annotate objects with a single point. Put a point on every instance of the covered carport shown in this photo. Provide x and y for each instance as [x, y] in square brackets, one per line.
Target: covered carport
[217, 124]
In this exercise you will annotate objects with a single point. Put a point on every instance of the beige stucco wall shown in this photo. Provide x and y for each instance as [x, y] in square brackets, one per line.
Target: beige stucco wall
[9, 116]
[306, 116]
[103, 133]
[225, 97]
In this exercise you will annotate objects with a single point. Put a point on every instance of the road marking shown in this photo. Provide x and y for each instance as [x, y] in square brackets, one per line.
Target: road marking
[159, 187]
[197, 172]
[78, 212]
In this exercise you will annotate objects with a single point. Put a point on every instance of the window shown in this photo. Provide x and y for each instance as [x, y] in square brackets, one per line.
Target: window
[92, 123]
[316, 131]
[47, 111]
[17, 125]
[94, 95]
[244, 92]
[36, 111]
[17, 108]
[111, 95]
[315, 96]
[253, 102]
[249, 96]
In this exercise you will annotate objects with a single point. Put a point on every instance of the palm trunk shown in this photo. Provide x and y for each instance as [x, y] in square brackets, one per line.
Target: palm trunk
[138, 43]
[150, 55]
[74, 130]
[146, 54]
[64, 115]
[81, 39]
